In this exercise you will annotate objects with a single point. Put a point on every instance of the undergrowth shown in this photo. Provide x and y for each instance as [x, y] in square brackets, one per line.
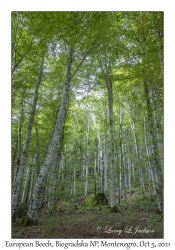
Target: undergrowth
[77, 216]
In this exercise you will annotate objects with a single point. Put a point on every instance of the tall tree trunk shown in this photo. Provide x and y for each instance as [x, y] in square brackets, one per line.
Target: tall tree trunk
[121, 154]
[131, 172]
[34, 206]
[19, 139]
[52, 197]
[19, 142]
[53, 182]
[157, 111]
[37, 156]
[83, 167]
[26, 184]
[102, 164]
[125, 179]
[107, 77]
[129, 175]
[87, 156]
[133, 126]
[75, 165]
[111, 132]
[95, 173]
[18, 180]
[13, 161]
[154, 149]
[63, 169]
[86, 176]
[105, 166]
[149, 168]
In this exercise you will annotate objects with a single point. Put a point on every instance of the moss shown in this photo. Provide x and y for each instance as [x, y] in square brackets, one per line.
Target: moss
[26, 221]
[114, 209]
[22, 220]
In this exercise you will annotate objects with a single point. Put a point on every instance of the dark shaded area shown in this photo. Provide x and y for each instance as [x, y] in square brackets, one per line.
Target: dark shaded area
[101, 199]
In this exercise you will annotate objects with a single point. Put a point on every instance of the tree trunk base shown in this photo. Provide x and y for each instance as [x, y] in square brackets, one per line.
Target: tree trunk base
[101, 199]
[26, 221]
[159, 212]
[114, 209]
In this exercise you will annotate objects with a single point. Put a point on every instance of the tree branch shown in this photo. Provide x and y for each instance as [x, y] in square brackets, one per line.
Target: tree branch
[84, 57]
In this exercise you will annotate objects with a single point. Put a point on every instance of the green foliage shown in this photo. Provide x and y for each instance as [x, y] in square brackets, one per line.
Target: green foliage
[155, 219]
[20, 233]
[144, 203]
[22, 221]
[90, 201]
[155, 222]
[121, 224]
[132, 218]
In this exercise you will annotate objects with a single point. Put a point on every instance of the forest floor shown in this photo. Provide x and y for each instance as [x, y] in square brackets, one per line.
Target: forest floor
[77, 218]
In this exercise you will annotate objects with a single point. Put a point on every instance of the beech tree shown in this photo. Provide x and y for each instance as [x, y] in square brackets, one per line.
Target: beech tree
[34, 206]
[18, 179]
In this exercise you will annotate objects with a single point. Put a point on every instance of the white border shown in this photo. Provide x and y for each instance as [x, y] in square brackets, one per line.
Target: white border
[5, 95]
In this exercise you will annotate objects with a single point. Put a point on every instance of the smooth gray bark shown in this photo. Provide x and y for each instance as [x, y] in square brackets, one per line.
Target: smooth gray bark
[87, 157]
[129, 176]
[37, 156]
[122, 167]
[154, 149]
[158, 110]
[62, 167]
[26, 183]
[19, 141]
[102, 165]
[133, 126]
[54, 180]
[13, 161]
[75, 166]
[107, 77]
[38, 190]
[112, 171]
[95, 172]
[105, 166]
[86, 176]
[18, 180]
[149, 166]
[121, 154]
[19, 137]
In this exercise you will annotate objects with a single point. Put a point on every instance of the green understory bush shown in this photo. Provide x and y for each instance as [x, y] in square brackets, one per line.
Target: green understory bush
[144, 203]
